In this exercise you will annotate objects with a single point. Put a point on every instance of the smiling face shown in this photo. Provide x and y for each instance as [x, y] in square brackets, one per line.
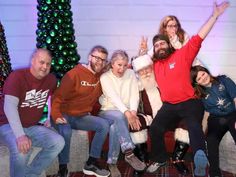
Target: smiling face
[40, 64]
[203, 79]
[97, 61]
[161, 49]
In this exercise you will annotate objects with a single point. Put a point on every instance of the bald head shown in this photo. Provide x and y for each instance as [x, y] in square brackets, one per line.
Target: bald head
[40, 63]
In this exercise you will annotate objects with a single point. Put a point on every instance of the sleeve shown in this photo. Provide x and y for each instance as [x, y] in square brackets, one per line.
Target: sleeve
[134, 92]
[109, 91]
[12, 114]
[229, 85]
[65, 89]
[54, 85]
[191, 49]
[12, 85]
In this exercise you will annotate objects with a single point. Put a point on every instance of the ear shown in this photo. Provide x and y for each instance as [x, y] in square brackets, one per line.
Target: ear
[32, 61]
[89, 58]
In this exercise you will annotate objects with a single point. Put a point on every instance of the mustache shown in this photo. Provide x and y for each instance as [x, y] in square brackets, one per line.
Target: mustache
[148, 75]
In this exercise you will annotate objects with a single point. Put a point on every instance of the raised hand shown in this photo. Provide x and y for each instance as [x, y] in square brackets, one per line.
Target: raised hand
[143, 48]
[219, 9]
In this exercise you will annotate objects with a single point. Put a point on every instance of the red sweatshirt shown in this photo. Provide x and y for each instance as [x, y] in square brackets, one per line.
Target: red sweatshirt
[173, 73]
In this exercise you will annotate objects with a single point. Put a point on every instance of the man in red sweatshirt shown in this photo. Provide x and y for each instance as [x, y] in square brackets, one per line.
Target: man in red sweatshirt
[172, 72]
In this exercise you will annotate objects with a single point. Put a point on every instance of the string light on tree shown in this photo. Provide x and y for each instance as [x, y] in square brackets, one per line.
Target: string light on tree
[56, 33]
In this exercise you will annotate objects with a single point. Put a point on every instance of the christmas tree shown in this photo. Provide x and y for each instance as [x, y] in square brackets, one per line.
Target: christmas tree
[5, 64]
[56, 33]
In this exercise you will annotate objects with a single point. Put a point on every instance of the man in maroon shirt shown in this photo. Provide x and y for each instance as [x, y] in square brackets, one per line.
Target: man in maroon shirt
[26, 92]
[172, 72]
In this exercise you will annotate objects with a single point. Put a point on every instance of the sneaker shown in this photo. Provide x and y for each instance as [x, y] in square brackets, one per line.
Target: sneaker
[114, 170]
[154, 166]
[93, 169]
[200, 162]
[63, 173]
[135, 162]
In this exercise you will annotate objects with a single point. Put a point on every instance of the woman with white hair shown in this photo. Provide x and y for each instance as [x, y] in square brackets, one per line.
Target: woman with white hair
[119, 104]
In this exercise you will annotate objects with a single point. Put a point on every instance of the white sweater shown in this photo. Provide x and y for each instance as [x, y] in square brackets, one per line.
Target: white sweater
[119, 93]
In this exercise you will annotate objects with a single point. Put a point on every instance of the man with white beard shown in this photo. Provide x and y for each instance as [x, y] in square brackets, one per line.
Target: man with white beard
[149, 105]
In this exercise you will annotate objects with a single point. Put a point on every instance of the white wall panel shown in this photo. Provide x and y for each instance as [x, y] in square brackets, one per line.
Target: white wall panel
[120, 25]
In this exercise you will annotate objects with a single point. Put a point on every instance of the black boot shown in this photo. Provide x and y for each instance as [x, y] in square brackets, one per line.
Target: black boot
[63, 171]
[178, 155]
[141, 152]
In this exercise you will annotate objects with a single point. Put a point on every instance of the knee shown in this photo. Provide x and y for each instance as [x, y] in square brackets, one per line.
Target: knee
[120, 120]
[65, 131]
[212, 139]
[103, 126]
[16, 156]
[57, 142]
[154, 128]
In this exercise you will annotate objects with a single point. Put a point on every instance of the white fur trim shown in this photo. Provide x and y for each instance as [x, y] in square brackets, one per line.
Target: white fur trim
[141, 62]
[182, 135]
[148, 119]
[154, 100]
[139, 137]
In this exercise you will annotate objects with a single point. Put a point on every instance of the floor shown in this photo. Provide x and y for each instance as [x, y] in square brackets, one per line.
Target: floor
[168, 171]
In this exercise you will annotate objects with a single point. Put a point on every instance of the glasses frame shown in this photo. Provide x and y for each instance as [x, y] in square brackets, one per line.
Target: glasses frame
[99, 59]
[172, 26]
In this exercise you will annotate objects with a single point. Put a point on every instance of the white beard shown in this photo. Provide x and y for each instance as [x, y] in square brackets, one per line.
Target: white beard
[148, 82]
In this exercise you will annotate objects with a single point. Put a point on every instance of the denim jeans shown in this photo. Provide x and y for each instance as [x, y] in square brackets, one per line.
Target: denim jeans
[86, 122]
[50, 142]
[118, 135]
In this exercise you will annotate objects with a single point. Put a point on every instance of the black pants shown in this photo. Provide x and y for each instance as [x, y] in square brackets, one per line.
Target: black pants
[191, 111]
[217, 127]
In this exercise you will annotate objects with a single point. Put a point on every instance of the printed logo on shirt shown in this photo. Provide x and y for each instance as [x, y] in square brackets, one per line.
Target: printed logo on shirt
[220, 102]
[221, 87]
[35, 99]
[85, 83]
[172, 65]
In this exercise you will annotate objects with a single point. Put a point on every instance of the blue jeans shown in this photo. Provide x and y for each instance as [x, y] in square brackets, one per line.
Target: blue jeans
[118, 135]
[50, 142]
[88, 123]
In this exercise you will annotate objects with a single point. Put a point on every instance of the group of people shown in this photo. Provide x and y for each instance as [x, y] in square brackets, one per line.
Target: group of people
[130, 100]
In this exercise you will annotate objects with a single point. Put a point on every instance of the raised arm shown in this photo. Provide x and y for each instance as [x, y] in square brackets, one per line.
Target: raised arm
[217, 11]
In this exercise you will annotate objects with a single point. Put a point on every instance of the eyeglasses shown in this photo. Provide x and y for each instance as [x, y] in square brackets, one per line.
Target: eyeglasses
[172, 26]
[99, 59]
